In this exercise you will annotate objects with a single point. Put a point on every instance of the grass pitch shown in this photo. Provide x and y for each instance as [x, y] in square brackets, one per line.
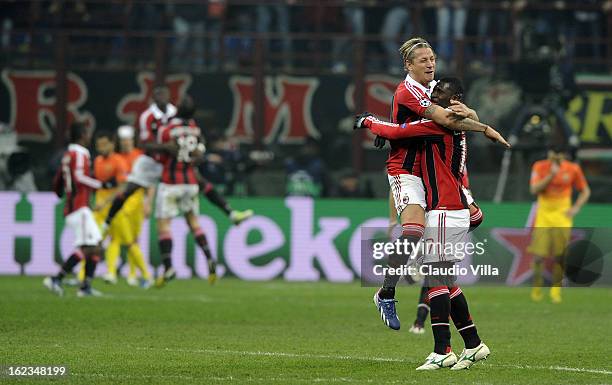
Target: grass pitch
[286, 333]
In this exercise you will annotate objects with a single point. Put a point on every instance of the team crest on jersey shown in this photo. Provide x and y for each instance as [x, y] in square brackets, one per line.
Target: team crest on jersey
[405, 199]
[425, 103]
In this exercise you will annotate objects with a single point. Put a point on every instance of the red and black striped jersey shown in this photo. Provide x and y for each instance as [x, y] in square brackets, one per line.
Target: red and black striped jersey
[74, 176]
[442, 159]
[410, 101]
[179, 169]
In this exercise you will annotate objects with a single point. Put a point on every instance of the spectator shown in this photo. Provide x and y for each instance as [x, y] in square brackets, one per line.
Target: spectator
[450, 14]
[188, 22]
[350, 186]
[355, 24]
[306, 171]
[396, 26]
[264, 19]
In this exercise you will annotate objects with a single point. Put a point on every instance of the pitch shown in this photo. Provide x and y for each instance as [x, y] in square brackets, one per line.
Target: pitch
[292, 333]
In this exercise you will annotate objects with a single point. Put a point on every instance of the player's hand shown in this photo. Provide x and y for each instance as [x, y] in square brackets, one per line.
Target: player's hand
[572, 212]
[379, 141]
[495, 136]
[460, 109]
[360, 119]
[554, 168]
[111, 183]
[172, 148]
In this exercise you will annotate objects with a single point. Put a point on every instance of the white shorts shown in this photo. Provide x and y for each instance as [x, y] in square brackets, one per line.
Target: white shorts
[175, 199]
[145, 172]
[86, 230]
[468, 195]
[407, 190]
[446, 235]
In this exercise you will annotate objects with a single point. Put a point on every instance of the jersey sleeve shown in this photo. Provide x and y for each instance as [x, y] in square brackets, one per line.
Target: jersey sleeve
[579, 181]
[414, 99]
[80, 173]
[143, 126]
[405, 130]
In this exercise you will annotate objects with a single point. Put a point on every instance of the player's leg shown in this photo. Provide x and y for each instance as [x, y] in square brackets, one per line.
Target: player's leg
[409, 197]
[119, 201]
[136, 257]
[439, 302]
[561, 240]
[202, 242]
[208, 190]
[475, 350]
[54, 283]
[418, 327]
[92, 257]
[111, 258]
[192, 207]
[166, 208]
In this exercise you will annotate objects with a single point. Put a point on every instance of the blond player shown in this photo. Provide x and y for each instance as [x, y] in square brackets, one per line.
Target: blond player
[552, 180]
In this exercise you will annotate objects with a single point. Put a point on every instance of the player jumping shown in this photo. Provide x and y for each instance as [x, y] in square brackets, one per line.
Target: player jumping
[178, 191]
[411, 101]
[447, 218]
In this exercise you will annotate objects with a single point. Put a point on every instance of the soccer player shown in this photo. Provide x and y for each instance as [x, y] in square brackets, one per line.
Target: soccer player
[74, 181]
[411, 101]
[178, 191]
[447, 218]
[124, 230]
[137, 207]
[146, 171]
[552, 181]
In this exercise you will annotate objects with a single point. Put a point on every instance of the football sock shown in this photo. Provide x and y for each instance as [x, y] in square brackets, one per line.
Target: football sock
[462, 318]
[411, 233]
[90, 268]
[200, 239]
[439, 301]
[538, 280]
[215, 198]
[136, 258]
[112, 256]
[70, 263]
[422, 308]
[165, 250]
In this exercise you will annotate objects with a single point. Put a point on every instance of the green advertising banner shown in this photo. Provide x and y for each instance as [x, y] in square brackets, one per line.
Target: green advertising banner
[295, 238]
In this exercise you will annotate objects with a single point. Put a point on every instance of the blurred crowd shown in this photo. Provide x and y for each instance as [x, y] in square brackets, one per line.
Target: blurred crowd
[204, 35]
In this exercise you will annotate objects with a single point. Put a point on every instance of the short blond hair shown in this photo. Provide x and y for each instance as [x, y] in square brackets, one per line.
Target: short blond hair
[407, 49]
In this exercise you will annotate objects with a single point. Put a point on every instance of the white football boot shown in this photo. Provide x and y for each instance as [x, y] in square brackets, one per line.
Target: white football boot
[470, 356]
[436, 361]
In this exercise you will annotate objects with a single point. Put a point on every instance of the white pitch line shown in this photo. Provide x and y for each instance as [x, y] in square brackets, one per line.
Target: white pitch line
[276, 354]
[361, 358]
[557, 368]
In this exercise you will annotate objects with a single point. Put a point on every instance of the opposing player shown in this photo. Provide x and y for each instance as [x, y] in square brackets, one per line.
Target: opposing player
[74, 181]
[552, 181]
[177, 192]
[447, 218]
[411, 102]
[137, 207]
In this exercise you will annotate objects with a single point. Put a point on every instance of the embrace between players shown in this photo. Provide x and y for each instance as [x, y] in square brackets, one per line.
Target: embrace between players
[171, 147]
[426, 172]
